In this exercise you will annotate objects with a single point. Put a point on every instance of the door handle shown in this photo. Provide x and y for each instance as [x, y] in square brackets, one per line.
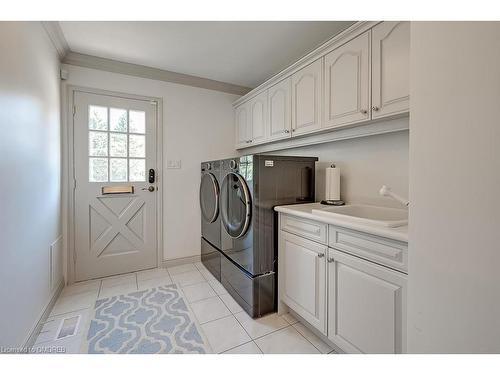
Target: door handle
[150, 189]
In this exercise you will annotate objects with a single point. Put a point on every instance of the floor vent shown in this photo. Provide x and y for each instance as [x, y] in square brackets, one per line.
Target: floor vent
[68, 327]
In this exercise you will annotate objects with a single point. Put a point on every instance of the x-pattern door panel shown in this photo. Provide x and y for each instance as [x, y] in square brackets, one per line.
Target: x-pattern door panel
[114, 147]
[116, 226]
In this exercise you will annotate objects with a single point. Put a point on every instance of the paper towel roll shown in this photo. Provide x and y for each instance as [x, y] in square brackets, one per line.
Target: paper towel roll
[332, 176]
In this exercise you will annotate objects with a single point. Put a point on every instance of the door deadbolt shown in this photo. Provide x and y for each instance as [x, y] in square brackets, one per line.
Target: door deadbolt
[151, 176]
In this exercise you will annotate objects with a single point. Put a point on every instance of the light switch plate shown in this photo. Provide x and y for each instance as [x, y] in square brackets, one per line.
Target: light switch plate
[173, 164]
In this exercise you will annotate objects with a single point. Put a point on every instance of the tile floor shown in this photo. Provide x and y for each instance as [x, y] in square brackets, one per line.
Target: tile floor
[226, 326]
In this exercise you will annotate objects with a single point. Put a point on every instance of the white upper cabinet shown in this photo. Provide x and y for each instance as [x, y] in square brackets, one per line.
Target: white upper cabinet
[243, 128]
[390, 68]
[347, 83]
[361, 77]
[306, 98]
[279, 101]
[366, 305]
[258, 118]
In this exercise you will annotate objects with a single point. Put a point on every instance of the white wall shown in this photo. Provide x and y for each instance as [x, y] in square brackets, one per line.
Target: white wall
[365, 165]
[197, 126]
[454, 249]
[30, 170]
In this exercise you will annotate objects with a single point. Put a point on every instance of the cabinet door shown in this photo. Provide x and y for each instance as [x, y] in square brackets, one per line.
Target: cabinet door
[306, 99]
[347, 83]
[366, 305]
[258, 118]
[304, 279]
[279, 100]
[243, 130]
[390, 68]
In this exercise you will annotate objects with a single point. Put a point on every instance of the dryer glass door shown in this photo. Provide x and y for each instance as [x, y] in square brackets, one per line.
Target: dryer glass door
[209, 197]
[235, 205]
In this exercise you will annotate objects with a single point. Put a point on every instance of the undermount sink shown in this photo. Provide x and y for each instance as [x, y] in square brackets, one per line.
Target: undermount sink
[364, 214]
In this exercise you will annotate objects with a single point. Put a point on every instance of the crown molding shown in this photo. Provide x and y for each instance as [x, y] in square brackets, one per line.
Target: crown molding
[336, 41]
[56, 36]
[114, 66]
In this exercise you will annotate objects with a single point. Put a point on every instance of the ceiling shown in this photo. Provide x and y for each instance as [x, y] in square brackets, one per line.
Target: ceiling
[240, 53]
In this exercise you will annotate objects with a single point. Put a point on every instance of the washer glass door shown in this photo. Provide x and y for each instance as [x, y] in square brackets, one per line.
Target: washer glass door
[235, 205]
[209, 197]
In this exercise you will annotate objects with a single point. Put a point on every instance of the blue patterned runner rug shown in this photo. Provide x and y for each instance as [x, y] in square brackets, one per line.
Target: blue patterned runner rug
[156, 320]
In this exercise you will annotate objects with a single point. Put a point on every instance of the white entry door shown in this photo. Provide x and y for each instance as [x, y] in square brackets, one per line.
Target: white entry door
[115, 193]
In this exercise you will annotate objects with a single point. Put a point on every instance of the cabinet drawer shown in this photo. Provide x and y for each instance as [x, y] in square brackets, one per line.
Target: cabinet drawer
[390, 253]
[305, 228]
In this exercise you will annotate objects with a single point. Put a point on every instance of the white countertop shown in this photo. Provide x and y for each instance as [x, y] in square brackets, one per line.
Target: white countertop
[305, 211]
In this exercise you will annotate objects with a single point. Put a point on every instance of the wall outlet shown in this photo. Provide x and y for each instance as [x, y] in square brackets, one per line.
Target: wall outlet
[173, 164]
[64, 74]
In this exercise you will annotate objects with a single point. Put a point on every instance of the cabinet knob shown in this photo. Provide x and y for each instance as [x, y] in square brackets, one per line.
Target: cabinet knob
[293, 130]
[364, 111]
[330, 260]
[286, 131]
[375, 108]
[321, 255]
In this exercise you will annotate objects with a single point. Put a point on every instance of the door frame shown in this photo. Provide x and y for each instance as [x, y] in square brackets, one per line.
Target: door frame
[68, 178]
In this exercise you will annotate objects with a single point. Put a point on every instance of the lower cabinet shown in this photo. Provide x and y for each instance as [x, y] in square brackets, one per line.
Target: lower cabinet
[358, 303]
[304, 274]
[366, 305]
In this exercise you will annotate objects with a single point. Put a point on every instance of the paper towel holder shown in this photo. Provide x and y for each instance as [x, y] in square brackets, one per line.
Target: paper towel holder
[333, 202]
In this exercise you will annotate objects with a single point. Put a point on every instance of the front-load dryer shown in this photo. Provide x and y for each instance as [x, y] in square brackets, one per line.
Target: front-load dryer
[210, 216]
[251, 186]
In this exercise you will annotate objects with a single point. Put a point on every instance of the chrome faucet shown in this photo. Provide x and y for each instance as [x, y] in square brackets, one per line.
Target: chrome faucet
[387, 192]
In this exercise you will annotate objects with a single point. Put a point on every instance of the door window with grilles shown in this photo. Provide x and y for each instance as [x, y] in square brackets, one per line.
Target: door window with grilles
[117, 144]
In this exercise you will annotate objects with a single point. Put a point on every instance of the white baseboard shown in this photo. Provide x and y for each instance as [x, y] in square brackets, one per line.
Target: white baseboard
[180, 261]
[35, 331]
